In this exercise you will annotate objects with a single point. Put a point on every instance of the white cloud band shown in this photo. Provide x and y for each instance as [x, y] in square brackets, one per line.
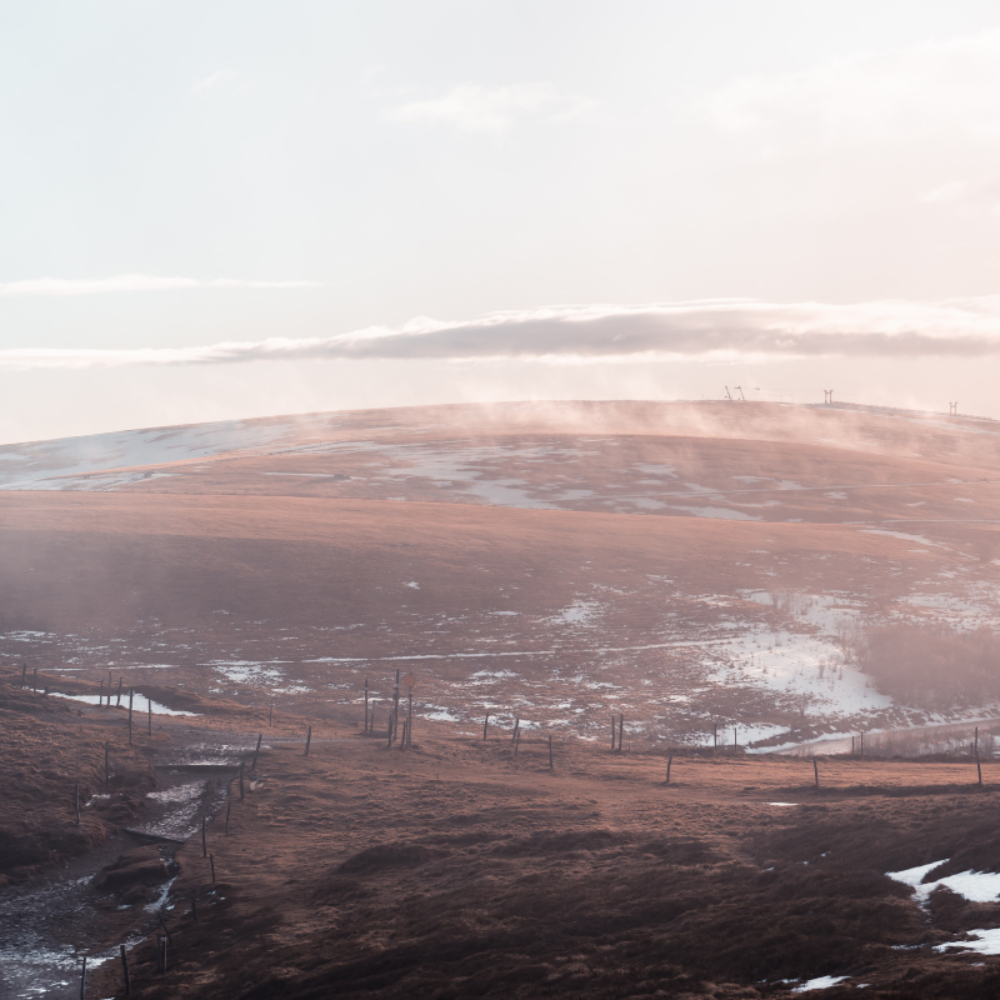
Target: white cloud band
[721, 329]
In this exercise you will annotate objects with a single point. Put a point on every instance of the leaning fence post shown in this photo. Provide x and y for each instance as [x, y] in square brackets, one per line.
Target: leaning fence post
[816, 771]
[128, 984]
[486, 725]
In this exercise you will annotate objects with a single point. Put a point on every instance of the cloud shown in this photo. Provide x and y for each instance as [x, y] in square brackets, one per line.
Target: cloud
[949, 87]
[727, 329]
[132, 283]
[475, 108]
[220, 78]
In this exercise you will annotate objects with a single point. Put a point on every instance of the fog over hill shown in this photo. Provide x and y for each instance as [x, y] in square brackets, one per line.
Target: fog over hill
[691, 565]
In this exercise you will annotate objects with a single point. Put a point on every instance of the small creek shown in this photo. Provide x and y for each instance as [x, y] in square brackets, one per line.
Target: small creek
[49, 923]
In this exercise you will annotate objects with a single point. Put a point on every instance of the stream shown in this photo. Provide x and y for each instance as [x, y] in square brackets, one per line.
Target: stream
[48, 924]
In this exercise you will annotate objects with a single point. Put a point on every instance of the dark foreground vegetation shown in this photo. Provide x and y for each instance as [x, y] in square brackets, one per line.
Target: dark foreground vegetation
[453, 870]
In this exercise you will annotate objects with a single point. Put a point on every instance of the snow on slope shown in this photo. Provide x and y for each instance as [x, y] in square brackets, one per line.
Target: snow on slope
[36, 465]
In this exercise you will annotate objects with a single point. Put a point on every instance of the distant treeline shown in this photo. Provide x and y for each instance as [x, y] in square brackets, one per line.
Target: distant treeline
[933, 667]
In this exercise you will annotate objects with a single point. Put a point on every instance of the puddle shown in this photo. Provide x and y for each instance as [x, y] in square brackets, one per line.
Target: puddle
[140, 704]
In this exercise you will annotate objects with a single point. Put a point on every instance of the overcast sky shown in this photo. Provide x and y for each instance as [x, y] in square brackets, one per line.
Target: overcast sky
[216, 210]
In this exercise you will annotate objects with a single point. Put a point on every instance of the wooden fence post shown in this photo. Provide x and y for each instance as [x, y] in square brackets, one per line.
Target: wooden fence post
[100, 697]
[613, 734]
[83, 979]
[979, 768]
[517, 727]
[204, 839]
[229, 807]
[149, 713]
[253, 766]
[366, 704]
[517, 743]
[486, 725]
[309, 737]
[166, 929]
[409, 720]
[118, 703]
[24, 674]
[670, 760]
[34, 682]
[128, 984]
[816, 772]
[130, 715]
[395, 705]
[621, 730]
[211, 862]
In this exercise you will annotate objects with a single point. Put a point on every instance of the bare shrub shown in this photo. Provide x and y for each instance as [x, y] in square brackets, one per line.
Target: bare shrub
[849, 639]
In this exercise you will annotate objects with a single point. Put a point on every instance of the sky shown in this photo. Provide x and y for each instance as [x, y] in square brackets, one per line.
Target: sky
[218, 210]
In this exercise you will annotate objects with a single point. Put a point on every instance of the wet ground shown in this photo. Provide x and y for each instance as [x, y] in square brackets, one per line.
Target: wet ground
[50, 923]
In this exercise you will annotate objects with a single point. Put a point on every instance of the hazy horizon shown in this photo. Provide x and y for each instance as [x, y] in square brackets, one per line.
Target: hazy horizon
[229, 211]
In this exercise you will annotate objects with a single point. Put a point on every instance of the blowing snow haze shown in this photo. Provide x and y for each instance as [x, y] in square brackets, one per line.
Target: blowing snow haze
[499, 500]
